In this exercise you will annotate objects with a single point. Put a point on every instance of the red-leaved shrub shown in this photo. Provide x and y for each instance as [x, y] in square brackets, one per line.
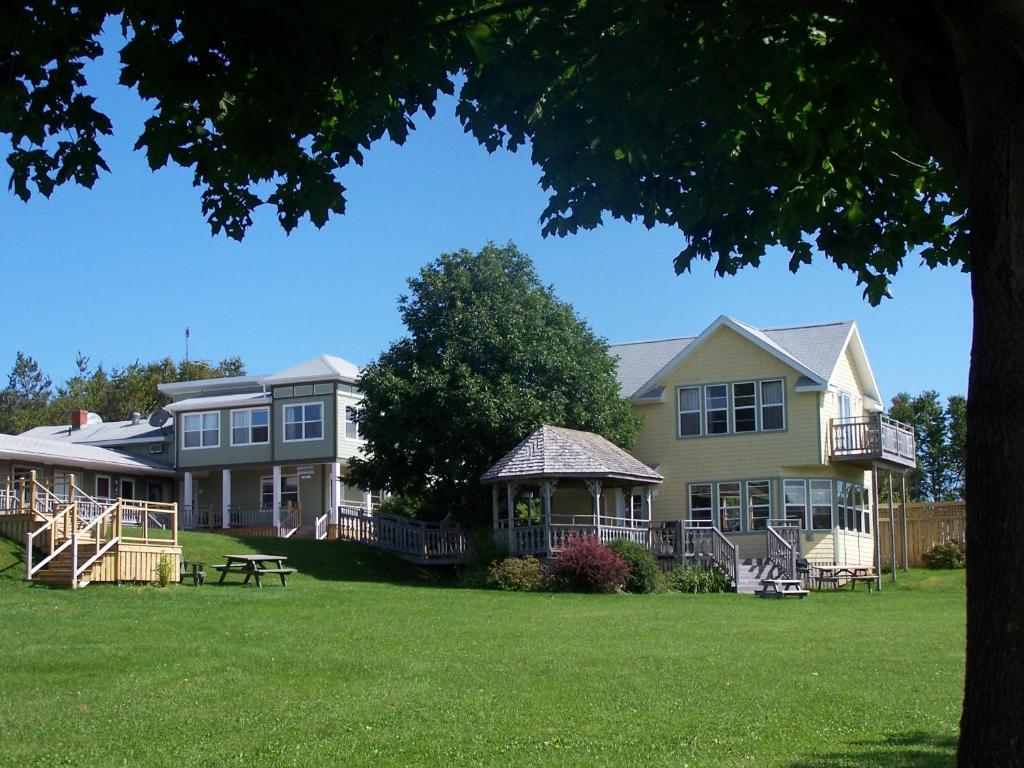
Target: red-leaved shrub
[584, 564]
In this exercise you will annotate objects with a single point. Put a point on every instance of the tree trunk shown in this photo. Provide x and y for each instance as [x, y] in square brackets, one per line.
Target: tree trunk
[992, 725]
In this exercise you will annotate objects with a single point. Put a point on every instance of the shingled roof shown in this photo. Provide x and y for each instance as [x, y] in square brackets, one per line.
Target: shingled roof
[555, 452]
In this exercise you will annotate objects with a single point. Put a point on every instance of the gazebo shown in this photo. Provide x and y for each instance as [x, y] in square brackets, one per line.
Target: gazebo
[601, 491]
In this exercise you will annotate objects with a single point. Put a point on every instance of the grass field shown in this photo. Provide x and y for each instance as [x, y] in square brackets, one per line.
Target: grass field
[364, 661]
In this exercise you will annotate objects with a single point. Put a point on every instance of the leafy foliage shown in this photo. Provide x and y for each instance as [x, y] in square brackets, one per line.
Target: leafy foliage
[584, 564]
[688, 578]
[491, 354]
[947, 555]
[518, 574]
[643, 570]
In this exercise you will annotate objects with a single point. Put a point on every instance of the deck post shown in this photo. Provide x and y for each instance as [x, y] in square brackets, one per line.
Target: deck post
[594, 486]
[903, 507]
[186, 498]
[334, 498]
[510, 495]
[877, 528]
[276, 480]
[32, 491]
[225, 498]
[71, 487]
[892, 530]
[547, 487]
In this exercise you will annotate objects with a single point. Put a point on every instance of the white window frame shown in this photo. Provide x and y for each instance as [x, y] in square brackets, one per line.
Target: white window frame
[753, 407]
[708, 411]
[357, 408]
[96, 486]
[200, 415]
[738, 493]
[264, 479]
[231, 426]
[711, 500]
[749, 508]
[303, 439]
[786, 506]
[762, 405]
[680, 412]
[822, 485]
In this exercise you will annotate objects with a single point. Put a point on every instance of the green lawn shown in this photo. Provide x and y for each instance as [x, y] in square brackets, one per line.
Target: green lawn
[365, 661]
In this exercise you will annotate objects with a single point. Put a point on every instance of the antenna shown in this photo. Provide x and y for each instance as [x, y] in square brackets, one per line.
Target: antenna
[188, 333]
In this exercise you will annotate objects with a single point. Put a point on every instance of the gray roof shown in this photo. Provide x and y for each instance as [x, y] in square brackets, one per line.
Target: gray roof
[36, 451]
[324, 367]
[555, 452]
[112, 432]
[818, 347]
[218, 401]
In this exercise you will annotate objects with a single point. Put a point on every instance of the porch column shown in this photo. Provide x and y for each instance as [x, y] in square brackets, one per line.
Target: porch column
[892, 529]
[277, 496]
[186, 499]
[547, 488]
[333, 497]
[903, 507]
[648, 498]
[367, 501]
[594, 486]
[510, 495]
[225, 499]
[494, 507]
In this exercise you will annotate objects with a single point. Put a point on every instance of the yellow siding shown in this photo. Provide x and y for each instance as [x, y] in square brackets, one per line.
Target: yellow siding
[855, 548]
[726, 357]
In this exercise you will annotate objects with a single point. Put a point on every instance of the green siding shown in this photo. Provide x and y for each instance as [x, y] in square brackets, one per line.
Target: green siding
[311, 450]
[224, 455]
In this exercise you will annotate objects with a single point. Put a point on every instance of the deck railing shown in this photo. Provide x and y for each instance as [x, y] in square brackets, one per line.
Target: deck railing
[704, 543]
[782, 548]
[873, 437]
[418, 540]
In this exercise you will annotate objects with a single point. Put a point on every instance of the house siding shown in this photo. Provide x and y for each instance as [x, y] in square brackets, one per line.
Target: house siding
[224, 455]
[346, 447]
[323, 449]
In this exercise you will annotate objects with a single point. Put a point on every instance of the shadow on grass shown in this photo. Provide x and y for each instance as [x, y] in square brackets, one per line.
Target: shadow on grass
[908, 750]
[320, 560]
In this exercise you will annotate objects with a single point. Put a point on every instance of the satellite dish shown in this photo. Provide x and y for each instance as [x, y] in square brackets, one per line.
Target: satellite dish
[159, 418]
[93, 418]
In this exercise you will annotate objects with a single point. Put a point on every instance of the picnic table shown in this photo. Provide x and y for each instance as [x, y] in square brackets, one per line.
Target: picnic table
[255, 566]
[782, 588]
[834, 575]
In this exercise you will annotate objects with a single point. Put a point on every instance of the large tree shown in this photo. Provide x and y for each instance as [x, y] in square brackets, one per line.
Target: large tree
[23, 402]
[490, 355]
[861, 131]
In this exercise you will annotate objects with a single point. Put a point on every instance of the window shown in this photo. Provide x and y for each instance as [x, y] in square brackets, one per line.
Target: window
[289, 491]
[700, 501]
[729, 506]
[744, 407]
[821, 505]
[250, 427]
[61, 483]
[376, 497]
[102, 487]
[636, 506]
[689, 411]
[759, 504]
[127, 488]
[716, 408]
[304, 422]
[796, 501]
[772, 405]
[352, 414]
[841, 504]
[201, 430]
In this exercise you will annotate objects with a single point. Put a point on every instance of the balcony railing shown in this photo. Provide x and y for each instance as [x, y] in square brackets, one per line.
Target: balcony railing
[877, 437]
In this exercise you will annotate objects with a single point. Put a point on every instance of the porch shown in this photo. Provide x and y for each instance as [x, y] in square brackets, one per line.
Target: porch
[869, 440]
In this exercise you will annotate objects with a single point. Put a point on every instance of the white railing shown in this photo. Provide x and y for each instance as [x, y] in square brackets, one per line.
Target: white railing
[320, 527]
[66, 520]
[416, 539]
[873, 436]
[291, 520]
[704, 542]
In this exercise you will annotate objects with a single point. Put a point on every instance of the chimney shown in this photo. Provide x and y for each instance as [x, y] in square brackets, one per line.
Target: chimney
[136, 417]
[79, 419]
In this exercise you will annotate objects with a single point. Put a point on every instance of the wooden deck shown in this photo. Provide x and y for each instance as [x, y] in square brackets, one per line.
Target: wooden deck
[870, 440]
[414, 540]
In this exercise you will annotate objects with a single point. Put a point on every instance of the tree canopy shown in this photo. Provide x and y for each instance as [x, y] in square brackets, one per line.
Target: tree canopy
[941, 443]
[490, 355]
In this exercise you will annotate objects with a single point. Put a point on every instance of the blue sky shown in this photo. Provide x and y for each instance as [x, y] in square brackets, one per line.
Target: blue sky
[118, 272]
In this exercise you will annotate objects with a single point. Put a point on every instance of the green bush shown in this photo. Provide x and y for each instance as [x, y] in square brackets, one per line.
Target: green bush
[484, 550]
[517, 574]
[643, 570]
[164, 571]
[687, 578]
[947, 555]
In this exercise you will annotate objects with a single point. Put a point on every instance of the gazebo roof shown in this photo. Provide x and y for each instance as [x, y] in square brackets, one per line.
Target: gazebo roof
[556, 452]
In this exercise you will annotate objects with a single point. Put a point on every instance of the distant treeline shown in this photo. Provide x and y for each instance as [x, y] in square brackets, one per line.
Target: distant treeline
[941, 443]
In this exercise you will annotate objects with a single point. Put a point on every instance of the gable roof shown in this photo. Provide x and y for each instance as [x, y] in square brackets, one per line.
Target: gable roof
[109, 432]
[35, 451]
[555, 452]
[812, 350]
[322, 368]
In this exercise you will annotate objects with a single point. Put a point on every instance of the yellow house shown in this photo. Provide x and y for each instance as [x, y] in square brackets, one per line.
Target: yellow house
[758, 429]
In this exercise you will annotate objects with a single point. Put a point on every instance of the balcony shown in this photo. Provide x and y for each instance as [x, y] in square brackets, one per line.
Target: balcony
[867, 440]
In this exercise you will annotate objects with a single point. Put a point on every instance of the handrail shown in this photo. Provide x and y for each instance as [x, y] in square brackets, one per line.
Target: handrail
[320, 530]
[70, 518]
[425, 541]
[113, 514]
[875, 434]
[781, 553]
[722, 552]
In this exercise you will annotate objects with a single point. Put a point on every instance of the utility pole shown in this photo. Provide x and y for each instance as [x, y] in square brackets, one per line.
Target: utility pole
[188, 333]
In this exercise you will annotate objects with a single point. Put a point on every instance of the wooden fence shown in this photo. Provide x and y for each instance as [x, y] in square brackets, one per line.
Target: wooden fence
[928, 524]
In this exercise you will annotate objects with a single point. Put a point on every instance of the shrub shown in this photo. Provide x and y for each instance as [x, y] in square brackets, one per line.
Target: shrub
[484, 550]
[584, 564]
[517, 574]
[164, 571]
[688, 578]
[643, 570]
[949, 554]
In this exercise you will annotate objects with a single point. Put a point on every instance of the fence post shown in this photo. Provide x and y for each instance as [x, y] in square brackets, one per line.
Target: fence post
[32, 491]
[74, 546]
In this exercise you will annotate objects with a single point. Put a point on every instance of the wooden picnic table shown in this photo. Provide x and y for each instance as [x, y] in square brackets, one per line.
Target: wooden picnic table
[852, 573]
[255, 566]
[782, 588]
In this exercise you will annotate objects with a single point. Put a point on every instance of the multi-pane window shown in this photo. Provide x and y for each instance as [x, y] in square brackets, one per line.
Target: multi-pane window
[744, 407]
[700, 502]
[250, 427]
[352, 422]
[716, 409]
[729, 506]
[201, 430]
[289, 491]
[689, 411]
[772, 405]
[821, 505]
[636, 506]
[759, 504]
[795, 501]
[304, 422]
